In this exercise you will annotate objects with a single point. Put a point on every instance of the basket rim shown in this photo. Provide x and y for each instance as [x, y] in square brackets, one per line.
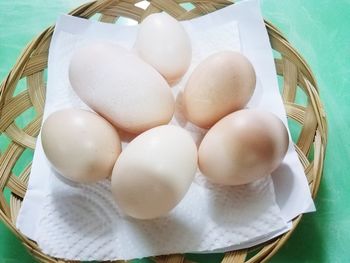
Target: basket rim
[86, 10]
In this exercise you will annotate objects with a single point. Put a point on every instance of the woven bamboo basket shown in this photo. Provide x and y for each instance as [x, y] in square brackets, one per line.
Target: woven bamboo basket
[295, 75]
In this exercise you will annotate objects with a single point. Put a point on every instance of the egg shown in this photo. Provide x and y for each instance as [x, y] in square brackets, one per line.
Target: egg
[243, 147]
[222, 83]
[121, 87]
[80, 145]
[163, 42]
[154, 172]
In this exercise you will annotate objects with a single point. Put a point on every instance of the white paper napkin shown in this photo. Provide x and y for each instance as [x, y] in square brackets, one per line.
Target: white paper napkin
[82, 222]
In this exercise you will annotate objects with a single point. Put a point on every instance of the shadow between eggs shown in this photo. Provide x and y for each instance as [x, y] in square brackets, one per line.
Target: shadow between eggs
[180, 120]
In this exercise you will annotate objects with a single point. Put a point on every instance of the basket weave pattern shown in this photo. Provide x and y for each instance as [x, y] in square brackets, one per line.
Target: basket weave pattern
[31, 67]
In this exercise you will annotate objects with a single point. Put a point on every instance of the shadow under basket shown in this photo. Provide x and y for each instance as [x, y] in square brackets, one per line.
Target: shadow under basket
[23, 97]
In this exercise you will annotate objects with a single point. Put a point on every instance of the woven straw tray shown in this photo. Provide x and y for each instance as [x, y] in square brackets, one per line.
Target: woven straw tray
[295, 75]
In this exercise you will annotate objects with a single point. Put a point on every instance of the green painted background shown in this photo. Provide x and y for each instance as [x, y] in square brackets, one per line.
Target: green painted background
[320, 31]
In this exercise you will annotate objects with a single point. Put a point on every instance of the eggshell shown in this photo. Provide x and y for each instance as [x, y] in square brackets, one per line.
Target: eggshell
[80, 145]
[154, 172]
[163, 42]
[243, 147]
[121, 87]
[222, 83]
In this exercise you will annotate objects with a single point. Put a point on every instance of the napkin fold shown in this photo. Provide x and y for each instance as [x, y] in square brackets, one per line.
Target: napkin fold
[81, 222]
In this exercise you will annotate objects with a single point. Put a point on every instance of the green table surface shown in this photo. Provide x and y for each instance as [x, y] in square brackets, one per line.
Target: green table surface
[320, 31]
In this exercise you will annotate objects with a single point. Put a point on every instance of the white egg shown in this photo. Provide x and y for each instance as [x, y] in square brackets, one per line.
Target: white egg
[80, 145]
[154, 172]
[121, 87]
[163, 42]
